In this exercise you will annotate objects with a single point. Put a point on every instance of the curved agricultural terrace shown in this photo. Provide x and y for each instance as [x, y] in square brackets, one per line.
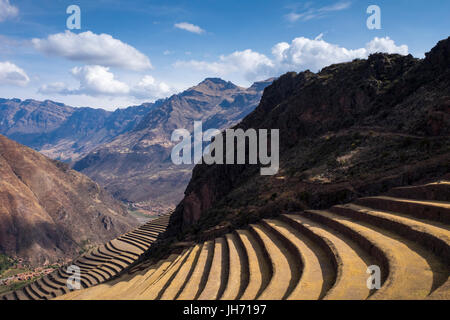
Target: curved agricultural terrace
[302, 255]
[99, 265]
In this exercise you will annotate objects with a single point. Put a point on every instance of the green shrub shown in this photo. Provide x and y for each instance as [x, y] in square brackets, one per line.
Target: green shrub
[304, 196]
[5, 263]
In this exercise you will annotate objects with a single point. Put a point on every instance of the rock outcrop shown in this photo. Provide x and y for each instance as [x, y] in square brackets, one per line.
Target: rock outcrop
[136, 166]
[353, 129]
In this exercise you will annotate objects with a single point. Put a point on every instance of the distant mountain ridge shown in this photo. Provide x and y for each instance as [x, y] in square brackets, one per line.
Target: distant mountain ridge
[63, 132]
[136, 166]
[128, 150]
[351, 130]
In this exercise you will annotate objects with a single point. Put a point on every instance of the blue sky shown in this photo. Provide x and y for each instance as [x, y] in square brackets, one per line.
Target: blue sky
[128, 52]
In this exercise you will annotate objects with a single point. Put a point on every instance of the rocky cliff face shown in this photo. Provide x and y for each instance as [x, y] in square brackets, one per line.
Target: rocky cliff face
[352, 129]
[48, 213]
[136, 166]
[62, 132]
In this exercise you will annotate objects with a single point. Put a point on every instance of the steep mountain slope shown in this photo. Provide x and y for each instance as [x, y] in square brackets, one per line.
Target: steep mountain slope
[353, 129]
[62, 132]
[101, 264]
[19, 117]
[48, 213]
[136, 166]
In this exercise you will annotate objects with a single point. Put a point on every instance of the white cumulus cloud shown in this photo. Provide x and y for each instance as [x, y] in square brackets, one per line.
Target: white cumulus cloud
[12, 75]
[386, 45]
[97, 80]
[314, 54]
[93, 80]
[148, 87]
[301, 54]
[7, 10]
[55, 87]
[94, 49]
[250, 63]
[189, 27]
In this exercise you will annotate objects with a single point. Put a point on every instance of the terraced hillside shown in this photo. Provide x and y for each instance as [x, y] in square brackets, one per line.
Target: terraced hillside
[311, 255]
[98, 265]
[351, 130]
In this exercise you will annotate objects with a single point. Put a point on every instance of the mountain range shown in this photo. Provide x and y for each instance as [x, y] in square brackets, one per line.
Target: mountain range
[136, 166]
[353, 129]
[62, 132]
[128, 151]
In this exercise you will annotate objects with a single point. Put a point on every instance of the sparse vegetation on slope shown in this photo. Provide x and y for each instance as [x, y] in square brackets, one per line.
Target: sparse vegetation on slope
[48, 213]
[353, 129]
[98, 265]
[5, 263]
[136, 167]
